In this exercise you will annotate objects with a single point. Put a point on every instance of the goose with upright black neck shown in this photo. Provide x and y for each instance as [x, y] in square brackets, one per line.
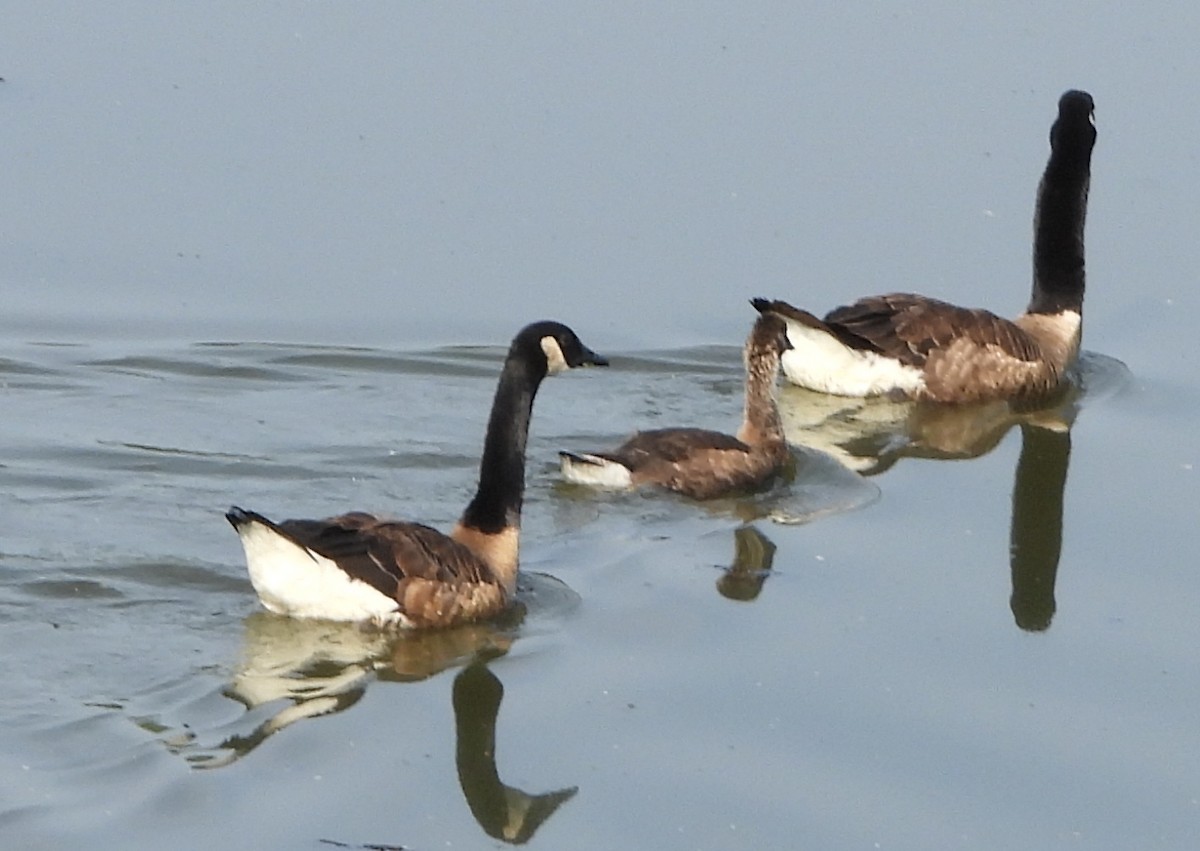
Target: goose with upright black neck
[910, 346]
[360, 567]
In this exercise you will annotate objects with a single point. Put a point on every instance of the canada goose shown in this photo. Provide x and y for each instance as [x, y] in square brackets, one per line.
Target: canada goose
[358, 567]
[695, 462]
[913, 347]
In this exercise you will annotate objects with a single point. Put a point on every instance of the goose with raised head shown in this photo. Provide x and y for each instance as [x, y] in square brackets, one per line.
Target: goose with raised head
[359, 567]
[696, 462]
[914, 347]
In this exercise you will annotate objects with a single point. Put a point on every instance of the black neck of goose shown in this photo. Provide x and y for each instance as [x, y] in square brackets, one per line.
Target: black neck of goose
[1058, 274]
[476, 697]
[497, 502]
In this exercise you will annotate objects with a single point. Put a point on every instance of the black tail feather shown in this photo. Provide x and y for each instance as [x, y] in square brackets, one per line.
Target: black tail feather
[579, 459]
[239, 517]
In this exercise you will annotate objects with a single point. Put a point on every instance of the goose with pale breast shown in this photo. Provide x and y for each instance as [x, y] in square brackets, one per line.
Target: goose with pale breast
[696, 462]
[359, 567]
[914, 347]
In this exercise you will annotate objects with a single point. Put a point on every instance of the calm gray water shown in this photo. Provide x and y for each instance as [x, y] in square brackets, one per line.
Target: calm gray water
[272, 256]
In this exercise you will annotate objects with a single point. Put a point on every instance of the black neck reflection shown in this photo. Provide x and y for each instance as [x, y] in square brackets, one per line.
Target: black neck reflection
[871, 436]
[298, 670]
[1035, 540]
[504, 812]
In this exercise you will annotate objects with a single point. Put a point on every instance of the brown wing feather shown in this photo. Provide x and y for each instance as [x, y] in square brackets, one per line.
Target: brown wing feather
[695, 462]
[388, 554]
[673, 445]
[711, 473]
[910, 327]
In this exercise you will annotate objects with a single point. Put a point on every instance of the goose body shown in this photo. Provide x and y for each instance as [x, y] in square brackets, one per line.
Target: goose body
[914, 347]
[359, 567]
[696, 462]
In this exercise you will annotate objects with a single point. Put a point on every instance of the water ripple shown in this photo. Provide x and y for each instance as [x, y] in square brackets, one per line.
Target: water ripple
[154, 366]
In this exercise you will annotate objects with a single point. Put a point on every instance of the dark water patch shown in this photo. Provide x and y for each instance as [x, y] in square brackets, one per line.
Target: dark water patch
[695, 360]
[176, 451]
[178, 576]
[33, 484]
[177, 461]
[356, 361]
[362, 459]
[163, 368]
[9, 367]
[316, 360]
[53, 386]
[260, 346]
[428, 460]
[70, 589]
[438, 364]
[451, 361]
[19, 375]
[121, 456]
[168, 604]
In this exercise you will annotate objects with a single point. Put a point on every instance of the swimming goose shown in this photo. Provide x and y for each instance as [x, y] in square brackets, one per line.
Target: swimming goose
[695, 462]
[913, 347]
[359, 567]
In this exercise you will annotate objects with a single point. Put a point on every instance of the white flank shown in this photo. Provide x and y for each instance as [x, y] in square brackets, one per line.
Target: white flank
[583, 469]
[291, 580]
[821, 362]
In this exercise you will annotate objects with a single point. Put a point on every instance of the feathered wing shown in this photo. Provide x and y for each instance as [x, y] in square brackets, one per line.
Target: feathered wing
[695, 462]
[434, 579]
[673, 445]
[910, 328]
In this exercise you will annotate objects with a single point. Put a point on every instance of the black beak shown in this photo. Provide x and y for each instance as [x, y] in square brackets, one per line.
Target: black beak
[589, 358]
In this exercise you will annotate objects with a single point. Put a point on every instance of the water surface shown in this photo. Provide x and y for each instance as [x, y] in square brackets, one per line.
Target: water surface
[939, 662]
[272, 255]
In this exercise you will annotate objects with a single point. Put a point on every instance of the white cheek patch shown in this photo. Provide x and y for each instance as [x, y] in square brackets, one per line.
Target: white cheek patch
[556, 361]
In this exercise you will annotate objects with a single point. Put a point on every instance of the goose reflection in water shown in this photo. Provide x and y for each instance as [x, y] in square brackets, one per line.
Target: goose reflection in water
[504, 812]
[293, 669]
[753, 555]
[869, 436]
[296, 668]
[1035, 538]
